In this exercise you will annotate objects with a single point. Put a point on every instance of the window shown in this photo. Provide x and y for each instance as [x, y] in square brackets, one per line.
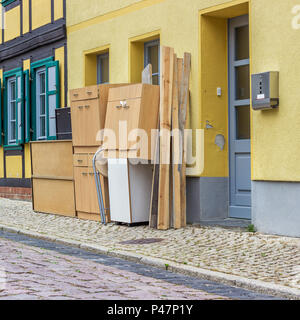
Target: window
[13, 108]
[152, 56]
[45, 98]
[41, 104]
[12, 114]
[103, 68]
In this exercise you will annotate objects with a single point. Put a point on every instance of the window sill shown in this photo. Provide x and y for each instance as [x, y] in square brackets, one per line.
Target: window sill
[13, 147]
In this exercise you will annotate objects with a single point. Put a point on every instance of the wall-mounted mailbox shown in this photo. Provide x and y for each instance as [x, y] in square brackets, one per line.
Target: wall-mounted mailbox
[265, 90]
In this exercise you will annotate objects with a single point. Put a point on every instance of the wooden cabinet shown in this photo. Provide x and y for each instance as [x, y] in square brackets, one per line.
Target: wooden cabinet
[52, 177]
[87, 205]
[135, 107]
[88, 112]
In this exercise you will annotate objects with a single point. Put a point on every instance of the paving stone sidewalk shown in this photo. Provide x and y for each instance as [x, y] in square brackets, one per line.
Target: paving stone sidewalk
[271, 259]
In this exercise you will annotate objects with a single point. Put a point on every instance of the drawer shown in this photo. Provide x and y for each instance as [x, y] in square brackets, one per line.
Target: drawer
[84, 93]
[126, 92]
[80, 160]
[83, 160]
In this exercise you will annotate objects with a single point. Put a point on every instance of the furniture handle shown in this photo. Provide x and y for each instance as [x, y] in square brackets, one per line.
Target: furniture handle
[124, 104]
[118, 107]
[79, 160]
[87, 106]
[75, 94]
[80, 107]
[84, 173]
[89, 92]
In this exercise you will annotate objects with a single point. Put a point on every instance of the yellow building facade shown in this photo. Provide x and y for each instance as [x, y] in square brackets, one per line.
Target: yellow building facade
[33, 53]
[246, 166]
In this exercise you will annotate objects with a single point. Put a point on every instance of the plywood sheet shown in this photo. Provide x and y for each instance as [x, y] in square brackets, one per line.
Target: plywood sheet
[54, 196]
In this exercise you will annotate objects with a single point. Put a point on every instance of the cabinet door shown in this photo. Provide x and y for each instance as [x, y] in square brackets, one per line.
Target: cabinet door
[119, 117]
[93, 193]
[82, 189]
[85, 122]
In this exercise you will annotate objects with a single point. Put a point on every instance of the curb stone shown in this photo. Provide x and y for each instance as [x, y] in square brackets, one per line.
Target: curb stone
[224, 278]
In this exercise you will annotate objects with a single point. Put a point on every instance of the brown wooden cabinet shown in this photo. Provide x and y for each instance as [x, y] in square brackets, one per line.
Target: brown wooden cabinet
[137, 107]
[87, 206]
[88, 112]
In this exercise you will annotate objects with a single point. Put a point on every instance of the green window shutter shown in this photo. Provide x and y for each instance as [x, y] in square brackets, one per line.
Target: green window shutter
[52, 96]
[27, 105]
[20, 123]
[1, 113]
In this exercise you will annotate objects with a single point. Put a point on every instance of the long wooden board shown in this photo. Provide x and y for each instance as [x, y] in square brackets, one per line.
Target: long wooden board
[166, 85]
[183, 110]
[176, 142]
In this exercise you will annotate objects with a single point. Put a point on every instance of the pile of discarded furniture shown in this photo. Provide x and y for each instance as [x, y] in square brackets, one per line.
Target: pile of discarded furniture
[126, 160]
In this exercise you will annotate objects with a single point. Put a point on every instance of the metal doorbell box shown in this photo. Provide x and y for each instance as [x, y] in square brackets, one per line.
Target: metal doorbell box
[265, 90]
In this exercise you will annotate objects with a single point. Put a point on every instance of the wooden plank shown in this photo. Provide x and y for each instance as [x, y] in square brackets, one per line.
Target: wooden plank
[147, 79]
[52, 159]
[166, 93]
[54, 196]
[176, 141]
[183, 109]
[155, 187]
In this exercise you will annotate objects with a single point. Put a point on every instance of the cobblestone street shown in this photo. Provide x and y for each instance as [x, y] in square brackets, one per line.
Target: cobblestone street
[271, 259]
[34, 272]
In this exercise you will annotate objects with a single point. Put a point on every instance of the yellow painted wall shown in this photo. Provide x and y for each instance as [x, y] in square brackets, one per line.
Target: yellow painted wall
[1, 163]
[14, 167]
[60, 56]
[274, 46]
[12, 24]
[27, 159]
[177, 25]
[59, 9]
[276, 133]
[25, 16]
[41, 13]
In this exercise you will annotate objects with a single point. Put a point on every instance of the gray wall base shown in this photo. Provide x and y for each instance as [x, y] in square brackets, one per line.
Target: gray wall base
[276, 207]
[207, 199]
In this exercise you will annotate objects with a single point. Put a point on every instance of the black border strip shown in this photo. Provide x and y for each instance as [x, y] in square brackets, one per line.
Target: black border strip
[15, 183]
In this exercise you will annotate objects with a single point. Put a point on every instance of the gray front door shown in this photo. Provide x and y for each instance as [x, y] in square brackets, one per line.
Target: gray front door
[239, 119]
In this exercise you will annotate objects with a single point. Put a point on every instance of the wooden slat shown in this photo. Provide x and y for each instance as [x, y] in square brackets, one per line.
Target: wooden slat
[183, 109]
[176, 148]
[155, 186]
[147, 79]
[166, 85]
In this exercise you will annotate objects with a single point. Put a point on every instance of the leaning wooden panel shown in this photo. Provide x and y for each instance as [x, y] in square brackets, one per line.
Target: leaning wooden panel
[183, 113]
[166, 94]
[176, 141]
[52, 158]
[54, 196]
